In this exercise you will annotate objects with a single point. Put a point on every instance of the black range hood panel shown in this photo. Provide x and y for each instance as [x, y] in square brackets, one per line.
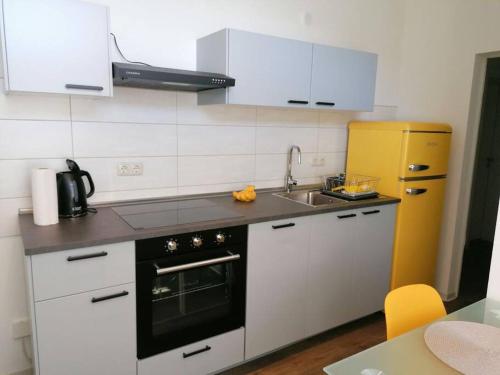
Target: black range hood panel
[135, 75]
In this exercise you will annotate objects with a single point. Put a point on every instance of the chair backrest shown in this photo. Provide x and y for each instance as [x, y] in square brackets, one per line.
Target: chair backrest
[411, 306]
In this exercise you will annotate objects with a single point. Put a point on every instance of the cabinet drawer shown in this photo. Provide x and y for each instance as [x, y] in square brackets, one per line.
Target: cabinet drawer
[203, 357]
[88, 333]
[63, 273]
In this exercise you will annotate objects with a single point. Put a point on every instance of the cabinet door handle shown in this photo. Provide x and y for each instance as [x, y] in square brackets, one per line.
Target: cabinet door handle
[346, 216]
[413, 191]
[417, 167]
[83, 87]
[371, 212]
[330, 104]
[86, 256]
[283, 226]
[298, 102]
[205, 349]
[111, 296]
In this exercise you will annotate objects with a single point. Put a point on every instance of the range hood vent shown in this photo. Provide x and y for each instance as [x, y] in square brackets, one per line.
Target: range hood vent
[148, 77]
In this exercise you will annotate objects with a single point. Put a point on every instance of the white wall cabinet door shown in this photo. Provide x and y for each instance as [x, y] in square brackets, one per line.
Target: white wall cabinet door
[329, 297]
[269, 71]
[56, 46]
[373, 257]
[80, 337]
[343, 78]
[276, 284]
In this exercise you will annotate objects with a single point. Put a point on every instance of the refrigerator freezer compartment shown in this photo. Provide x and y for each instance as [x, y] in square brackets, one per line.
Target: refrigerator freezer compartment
[424, 154]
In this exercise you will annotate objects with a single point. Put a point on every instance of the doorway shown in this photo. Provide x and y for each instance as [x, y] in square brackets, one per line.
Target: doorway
[485, 191]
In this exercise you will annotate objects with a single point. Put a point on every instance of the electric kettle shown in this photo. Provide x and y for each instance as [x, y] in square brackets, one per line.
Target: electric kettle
[71, 193]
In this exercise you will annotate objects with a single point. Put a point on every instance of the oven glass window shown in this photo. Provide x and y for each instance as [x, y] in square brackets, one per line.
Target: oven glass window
[190, 298]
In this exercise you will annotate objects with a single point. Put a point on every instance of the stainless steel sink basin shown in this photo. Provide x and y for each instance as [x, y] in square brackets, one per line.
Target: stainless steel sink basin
[312, 198]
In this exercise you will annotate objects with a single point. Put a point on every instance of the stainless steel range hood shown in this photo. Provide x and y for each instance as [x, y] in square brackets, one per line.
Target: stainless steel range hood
[135, 75]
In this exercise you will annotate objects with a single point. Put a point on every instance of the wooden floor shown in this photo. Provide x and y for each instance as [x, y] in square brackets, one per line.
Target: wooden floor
[310, 356]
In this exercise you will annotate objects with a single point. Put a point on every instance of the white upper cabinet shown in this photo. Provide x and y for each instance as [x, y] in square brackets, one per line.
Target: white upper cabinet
[269, 71]
[272, 71]
[343, 78]
[56, 46]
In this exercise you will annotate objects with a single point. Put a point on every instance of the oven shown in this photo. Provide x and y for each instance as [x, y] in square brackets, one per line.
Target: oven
[189, 287]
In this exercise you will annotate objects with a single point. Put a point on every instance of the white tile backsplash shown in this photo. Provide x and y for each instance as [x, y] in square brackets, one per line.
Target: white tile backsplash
[158, 172]
[277, 140]
[27, 106]
[21, 139]
[188, 112]
[95, 139]
[16, 182]
[216, 140]
[332, 139]
[209, 170]
[286, 117]
[184, 148]
[127, 105]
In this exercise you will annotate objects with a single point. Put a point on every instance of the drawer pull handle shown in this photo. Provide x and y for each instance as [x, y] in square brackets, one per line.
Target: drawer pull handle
[414, 191]
[111, 296]
[371, 212]
[417, 167]
[83, 87]
[205, 349]
[346, 216]
[283, 226]
[331, 104]
[86, 256]
[298, 102]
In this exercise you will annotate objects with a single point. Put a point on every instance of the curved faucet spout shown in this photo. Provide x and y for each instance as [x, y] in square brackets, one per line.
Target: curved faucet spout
[289, 181]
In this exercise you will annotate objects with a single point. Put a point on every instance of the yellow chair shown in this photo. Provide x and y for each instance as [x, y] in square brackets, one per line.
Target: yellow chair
[411, 306]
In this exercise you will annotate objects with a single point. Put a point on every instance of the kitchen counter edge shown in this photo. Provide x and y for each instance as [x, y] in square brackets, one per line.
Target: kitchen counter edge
[107, 227]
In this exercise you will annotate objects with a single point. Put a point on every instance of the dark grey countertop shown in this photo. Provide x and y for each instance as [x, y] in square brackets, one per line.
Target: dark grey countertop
[107, 227]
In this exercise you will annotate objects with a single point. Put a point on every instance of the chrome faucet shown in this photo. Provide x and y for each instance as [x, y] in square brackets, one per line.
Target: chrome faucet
[289, 181]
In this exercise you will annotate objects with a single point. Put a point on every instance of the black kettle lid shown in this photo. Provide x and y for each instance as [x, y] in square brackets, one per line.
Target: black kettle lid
[73, 166]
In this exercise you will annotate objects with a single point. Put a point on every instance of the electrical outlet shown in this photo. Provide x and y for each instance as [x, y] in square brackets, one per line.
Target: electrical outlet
[130, 169]
[136, 169]
[21, 328]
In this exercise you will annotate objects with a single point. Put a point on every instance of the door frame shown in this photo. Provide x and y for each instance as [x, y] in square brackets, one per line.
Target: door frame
[469, 162]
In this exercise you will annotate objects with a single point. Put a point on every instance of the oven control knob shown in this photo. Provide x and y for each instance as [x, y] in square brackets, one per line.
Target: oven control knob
[197, 241]
[220, 238]
[172, 245]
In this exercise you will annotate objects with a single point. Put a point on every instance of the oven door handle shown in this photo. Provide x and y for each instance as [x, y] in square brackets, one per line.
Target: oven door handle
[203, 263]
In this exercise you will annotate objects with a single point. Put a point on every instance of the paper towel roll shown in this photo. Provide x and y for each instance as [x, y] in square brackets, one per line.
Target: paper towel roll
[44, 195]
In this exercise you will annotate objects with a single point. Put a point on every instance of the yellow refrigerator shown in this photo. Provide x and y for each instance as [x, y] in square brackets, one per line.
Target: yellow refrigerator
[411, 160]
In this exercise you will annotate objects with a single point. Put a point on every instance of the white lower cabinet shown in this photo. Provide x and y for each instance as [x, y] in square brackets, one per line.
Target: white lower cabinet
[88, 333]
[373, 258]
[203, 357]
[329, 300]
[349, 265]
[276, 284]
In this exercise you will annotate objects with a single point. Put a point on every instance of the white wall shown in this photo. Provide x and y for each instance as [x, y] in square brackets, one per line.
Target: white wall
[439, 46]
[494, 279]
[178, 142]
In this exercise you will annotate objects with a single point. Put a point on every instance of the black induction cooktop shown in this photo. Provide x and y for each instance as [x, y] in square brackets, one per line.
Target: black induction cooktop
[162, 214]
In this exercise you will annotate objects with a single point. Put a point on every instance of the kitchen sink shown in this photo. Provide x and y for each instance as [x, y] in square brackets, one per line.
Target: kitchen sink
[312, 198]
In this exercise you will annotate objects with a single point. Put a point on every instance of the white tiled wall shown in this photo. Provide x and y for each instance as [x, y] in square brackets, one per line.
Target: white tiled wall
[184, 149]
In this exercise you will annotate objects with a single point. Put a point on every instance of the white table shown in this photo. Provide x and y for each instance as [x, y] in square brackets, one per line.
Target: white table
[408, 354]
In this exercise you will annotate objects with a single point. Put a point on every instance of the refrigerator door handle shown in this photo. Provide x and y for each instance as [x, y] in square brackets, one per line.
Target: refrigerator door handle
[417, 167]
[414, 191]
